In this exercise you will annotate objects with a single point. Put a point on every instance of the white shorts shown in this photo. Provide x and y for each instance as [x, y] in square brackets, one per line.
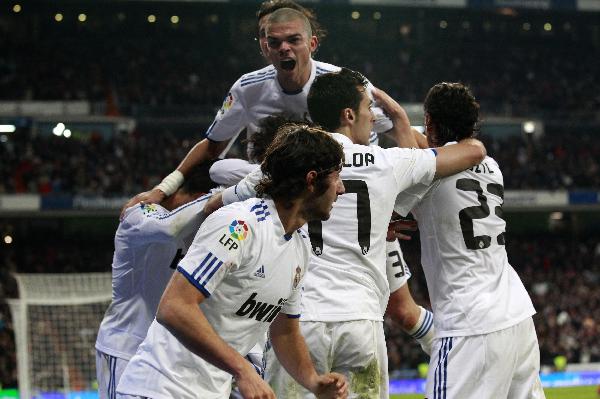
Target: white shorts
[108, 371]
[355, 349]
[502, 364]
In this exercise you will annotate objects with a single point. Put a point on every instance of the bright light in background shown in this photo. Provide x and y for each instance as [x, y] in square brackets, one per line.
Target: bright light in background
[443, 24]
[376, 15]
[526, 26]
[556, 216]
[355, 15]
[3, 139]
[67, 133]
[82, 17]
[58, 17]
[8, 239]
[547, 26]
[7, 128]
[529, 127]
[174, 19]
[17, 8]
[152, 18]
[58, 129]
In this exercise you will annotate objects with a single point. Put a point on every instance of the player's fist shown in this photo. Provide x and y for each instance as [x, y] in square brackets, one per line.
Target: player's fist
[396, 227]
[154, 196]
[251, 386]
[331, 386]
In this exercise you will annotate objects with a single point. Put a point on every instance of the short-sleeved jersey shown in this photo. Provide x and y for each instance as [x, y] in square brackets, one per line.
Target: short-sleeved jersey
[258, 94]
[473, 288]
[249, 271]
[347, 278]
[149, 243]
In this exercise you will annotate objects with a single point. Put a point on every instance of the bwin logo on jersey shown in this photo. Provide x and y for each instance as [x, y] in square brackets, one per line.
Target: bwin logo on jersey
[260, 272]
[260, 311]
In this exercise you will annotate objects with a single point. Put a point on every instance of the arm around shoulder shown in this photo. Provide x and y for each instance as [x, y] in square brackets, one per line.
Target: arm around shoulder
[455, 158]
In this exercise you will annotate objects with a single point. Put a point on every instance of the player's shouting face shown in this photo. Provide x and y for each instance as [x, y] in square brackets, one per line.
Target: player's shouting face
[290, 46]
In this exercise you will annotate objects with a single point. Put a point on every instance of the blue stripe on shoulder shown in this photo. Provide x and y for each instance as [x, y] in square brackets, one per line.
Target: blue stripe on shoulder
[255, 75]
[189, 278]
[258, 80]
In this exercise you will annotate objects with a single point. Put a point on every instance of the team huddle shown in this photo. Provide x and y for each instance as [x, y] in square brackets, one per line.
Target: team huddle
[270, 278]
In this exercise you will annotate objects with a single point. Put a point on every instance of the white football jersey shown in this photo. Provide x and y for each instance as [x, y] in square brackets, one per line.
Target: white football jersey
[149, 243]
[348, 263]
[397, 270]
[249, 271]
[473, 288]
[258, 94]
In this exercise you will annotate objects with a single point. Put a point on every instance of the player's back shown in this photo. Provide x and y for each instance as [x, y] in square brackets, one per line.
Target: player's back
[472, 286]
[347, 273]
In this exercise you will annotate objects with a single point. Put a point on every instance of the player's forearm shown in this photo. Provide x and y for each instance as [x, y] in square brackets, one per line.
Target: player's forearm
[455, 158]
[420, 138]
[292, 352]
[203, 151]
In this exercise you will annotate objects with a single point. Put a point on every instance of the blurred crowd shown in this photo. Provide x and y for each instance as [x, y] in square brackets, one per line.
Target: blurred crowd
[126, 164]
[561, 273]
[519, 65]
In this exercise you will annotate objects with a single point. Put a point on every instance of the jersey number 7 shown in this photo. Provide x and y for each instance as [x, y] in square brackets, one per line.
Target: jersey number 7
[363, 216]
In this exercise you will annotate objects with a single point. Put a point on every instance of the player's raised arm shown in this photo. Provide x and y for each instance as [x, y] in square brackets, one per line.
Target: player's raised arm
[401, 130]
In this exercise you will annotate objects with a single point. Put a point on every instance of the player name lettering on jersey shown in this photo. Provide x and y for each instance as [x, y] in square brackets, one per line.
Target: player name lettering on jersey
[359, 159]
[260, 311]
[482, 168]
[228, 242]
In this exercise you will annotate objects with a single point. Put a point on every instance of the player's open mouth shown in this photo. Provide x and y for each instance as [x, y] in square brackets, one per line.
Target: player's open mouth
[288, 65]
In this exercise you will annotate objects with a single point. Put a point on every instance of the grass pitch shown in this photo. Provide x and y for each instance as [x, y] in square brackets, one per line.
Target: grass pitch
[587, 392]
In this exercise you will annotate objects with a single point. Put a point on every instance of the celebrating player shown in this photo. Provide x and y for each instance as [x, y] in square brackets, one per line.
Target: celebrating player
[280, 88]
[149, 242]
[346, 288]
[242, 274]
[486, 345]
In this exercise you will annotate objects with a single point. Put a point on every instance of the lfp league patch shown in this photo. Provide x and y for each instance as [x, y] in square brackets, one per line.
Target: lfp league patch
[238, 230]
[227, 103]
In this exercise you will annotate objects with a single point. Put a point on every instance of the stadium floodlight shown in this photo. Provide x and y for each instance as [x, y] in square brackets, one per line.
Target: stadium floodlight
[529, 127]
[58, 129]
[67, 133]
[8, 239]
[7, 128]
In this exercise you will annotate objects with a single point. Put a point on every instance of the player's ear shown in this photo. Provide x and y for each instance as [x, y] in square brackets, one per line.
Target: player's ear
[346, 116]
[313, 44]
[311, 178]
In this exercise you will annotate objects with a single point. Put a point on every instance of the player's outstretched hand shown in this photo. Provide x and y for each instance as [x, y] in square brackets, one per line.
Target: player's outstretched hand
[396, 227]
[154, 196]
[252, 386]
[331, 386]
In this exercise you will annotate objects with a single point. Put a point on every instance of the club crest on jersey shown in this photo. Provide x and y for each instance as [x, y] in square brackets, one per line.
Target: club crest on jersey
[227, 103]
[238, 230]
[297, 277]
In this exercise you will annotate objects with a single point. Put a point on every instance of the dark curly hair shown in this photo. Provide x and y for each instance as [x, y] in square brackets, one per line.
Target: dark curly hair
[198, 180]
[297, 150]
[268, 129]
[269, 6]
[330, 93]
[453, 111]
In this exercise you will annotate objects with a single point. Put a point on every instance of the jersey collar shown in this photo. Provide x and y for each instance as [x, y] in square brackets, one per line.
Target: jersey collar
[342, 139]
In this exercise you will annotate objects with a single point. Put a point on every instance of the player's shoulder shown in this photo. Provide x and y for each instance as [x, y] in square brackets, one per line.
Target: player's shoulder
[256, 78]
[139, 212]
[323, 67]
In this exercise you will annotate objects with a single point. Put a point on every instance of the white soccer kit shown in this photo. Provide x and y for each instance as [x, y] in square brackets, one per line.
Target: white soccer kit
[149, 243]
[473, 288]
[249, 271]
[347, 279]
[257, 95]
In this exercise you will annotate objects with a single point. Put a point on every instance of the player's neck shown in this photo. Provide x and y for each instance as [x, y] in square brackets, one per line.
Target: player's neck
[290, 215]
[346, 131]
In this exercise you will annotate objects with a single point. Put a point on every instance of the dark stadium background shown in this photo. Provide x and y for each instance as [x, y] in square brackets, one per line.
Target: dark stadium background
[151, 89]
